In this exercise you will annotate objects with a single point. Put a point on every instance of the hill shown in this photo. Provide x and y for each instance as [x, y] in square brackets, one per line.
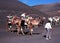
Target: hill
[15, 7]
[49, 9]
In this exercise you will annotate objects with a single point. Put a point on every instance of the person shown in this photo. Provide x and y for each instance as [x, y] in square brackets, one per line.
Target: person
[48, 28]
[50, 19]
[23, 15]
[9, 17]
[9, 21]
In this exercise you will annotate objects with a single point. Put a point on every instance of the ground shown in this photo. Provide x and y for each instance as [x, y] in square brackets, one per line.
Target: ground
[37, 37]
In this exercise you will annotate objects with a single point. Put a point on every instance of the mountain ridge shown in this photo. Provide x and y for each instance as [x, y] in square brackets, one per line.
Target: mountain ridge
[49, 9]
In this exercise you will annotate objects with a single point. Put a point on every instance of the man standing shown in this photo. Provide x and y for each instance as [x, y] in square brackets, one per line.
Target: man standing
[9, 22]
[48, 28]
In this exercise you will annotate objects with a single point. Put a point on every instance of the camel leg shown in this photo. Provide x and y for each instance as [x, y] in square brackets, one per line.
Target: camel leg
[18, 30]
[31, 30]
[22, 31]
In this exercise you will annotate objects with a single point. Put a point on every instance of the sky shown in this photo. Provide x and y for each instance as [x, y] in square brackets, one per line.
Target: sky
[38, 2]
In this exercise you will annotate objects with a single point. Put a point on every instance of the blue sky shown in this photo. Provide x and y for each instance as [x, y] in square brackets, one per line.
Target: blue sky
[38, 2]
